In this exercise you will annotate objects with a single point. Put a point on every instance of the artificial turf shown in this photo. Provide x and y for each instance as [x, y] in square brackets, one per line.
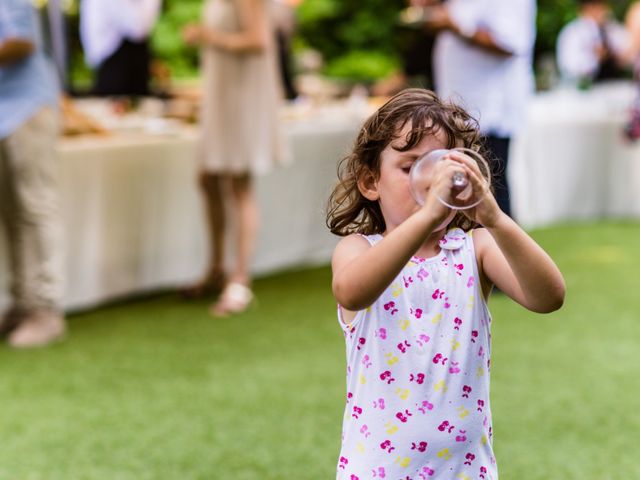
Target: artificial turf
[157, 389]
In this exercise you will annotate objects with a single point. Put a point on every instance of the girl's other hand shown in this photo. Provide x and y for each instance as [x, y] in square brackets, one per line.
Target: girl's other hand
[487, 212]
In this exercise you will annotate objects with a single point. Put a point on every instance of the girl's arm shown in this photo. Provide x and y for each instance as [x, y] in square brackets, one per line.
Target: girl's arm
[508, 257]
[252, 37]
[361, 272]
[518, 266]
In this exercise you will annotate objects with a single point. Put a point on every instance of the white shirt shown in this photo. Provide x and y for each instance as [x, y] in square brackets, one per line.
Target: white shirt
[493, 88]
[578, 43]
[104, 24]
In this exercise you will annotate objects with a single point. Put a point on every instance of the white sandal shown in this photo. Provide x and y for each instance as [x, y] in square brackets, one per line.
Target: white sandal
[235, 298]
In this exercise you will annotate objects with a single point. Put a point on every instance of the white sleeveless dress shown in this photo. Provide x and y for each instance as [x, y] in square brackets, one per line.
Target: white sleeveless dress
[241, 99]
[418, 374]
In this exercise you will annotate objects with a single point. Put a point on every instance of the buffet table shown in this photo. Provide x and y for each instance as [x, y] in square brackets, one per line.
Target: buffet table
[134, 218]
[135, 223]
[572, 162]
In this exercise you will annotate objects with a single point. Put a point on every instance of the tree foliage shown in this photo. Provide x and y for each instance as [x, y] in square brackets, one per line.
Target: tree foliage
[359, 39]
[338, 28]
[167, 41]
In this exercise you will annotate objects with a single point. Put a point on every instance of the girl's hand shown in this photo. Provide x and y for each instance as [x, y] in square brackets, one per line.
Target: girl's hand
[193, 34]
[487, 212]
[439, 185]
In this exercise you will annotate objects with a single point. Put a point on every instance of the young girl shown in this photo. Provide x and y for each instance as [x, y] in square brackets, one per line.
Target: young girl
[411, 284]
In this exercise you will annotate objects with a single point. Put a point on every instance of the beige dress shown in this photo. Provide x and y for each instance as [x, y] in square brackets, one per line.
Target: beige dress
[241, 100]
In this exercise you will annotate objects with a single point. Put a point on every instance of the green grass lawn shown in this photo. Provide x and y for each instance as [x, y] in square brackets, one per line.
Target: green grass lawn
[156, 389]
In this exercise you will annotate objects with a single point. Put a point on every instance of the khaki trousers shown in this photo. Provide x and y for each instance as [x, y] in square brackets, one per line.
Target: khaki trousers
[30, 213]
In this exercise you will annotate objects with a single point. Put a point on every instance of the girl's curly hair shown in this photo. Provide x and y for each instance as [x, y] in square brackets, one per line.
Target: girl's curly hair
[348, 211]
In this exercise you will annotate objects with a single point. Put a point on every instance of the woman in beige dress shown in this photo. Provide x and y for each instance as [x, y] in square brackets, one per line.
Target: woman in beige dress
[239, 137]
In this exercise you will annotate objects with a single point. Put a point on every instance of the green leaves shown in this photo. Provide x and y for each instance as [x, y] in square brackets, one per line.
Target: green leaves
[359, 40]
[167, 40]
[361, 66]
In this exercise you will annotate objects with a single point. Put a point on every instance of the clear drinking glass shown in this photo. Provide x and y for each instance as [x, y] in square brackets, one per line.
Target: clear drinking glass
[462, 194]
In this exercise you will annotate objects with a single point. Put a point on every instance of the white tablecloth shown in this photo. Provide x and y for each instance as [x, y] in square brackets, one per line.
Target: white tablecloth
[572, 162]
[134, 217]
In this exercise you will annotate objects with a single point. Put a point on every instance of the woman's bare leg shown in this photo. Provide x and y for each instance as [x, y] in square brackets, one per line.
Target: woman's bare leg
[246, 207]
[212, 186]
[237, 295]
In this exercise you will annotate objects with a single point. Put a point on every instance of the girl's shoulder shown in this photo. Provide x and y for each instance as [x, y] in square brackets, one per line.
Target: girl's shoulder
[351, 245]
[481, 240]
[480, 236]
[483, 243]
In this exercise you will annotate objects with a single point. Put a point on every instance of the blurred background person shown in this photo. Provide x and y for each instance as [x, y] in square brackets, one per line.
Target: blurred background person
[592, 47]
[239, 138]
[29, 201]
[416, 57]
[284, 20]
[483, 57]
[115, 38]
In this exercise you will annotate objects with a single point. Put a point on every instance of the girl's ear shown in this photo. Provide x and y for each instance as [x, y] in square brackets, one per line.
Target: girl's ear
[368, 185]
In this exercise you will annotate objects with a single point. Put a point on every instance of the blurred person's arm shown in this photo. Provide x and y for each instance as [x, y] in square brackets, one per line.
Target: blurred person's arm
[17, 23]
[252, 38]
[13, 50]
[441, 20]
[507, 30]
